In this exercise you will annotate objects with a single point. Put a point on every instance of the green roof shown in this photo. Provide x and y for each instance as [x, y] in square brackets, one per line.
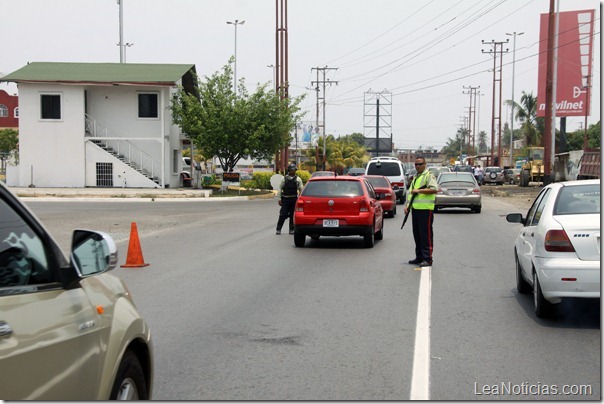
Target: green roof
[100, 73]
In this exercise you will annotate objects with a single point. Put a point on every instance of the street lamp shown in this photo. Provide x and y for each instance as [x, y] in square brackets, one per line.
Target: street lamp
[274, 79]
[235, 23]
[513, 105]
[126, 45]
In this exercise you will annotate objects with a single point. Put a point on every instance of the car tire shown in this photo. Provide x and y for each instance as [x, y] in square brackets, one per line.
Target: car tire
[369, 238]
[525, 178]
[130, 383]
[394, 211]
[521, 284]
[477, 209]
[543, 308]
[512, 182]
[380, 234]
[299, 239]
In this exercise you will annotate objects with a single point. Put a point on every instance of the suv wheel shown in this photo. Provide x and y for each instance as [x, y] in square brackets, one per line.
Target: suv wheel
[130, 382]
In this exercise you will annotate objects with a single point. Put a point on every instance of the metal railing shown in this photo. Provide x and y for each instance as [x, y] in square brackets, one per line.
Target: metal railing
[124, 149]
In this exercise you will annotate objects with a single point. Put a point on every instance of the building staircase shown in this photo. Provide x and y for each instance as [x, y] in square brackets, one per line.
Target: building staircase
[124, 150]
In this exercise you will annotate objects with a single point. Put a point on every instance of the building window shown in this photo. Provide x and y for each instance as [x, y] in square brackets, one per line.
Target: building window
[104, 175]
[16, 112]
[3, 111]
[50, 106]
[147, 105]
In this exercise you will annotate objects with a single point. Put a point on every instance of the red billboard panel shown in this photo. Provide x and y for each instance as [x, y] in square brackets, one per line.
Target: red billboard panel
[575, 37]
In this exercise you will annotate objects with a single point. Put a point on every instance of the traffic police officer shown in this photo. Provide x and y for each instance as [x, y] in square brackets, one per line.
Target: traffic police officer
[289, 188]
[424, 187]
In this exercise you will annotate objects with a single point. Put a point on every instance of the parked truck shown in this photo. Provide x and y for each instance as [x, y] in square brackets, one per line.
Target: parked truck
[589, 165]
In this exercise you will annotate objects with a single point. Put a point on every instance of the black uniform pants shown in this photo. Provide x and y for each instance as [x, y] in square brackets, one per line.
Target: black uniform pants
[288, 205]
[422, 233]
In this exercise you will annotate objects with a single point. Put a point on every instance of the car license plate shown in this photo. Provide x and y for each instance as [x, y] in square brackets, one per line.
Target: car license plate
[456, 193]
[331, 223]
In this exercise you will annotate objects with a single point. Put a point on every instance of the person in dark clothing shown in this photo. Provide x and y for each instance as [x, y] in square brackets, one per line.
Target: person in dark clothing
[288, 191]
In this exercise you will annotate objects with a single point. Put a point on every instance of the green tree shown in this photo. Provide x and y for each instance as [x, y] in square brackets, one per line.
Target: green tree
[482, 142]
[233, 126]
[526, 113]
[574, 140]
[345, 153]
[9, 144]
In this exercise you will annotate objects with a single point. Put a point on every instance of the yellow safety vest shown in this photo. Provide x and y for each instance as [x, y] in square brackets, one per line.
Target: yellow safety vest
[423, 201]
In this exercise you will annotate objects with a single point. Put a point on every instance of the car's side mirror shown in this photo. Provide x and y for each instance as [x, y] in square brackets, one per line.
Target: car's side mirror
[92, 252]
[515, 218]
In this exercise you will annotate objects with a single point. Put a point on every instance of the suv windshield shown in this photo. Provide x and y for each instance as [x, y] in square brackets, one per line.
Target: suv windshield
[388, 169]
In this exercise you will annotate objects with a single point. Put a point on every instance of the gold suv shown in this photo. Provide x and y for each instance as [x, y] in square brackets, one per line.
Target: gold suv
[69, 330]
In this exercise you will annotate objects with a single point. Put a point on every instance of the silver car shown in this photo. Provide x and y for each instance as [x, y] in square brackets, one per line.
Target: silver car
[557, 249]
[458, 190]
[69, 330]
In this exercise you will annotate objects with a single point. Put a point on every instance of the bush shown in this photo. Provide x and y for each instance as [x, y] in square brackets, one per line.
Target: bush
[304, 175]
[262, 180]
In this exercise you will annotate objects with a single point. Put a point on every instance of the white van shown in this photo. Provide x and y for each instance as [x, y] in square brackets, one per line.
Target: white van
[392, 168]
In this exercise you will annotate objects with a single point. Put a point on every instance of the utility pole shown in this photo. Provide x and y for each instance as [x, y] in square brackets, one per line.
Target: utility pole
[513, 102]
[549, 97]
[497, 110]
[281, 70]
[324, 82]
[471, 114]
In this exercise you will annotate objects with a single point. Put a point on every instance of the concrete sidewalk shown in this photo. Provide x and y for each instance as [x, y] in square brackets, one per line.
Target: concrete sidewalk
[130, 194]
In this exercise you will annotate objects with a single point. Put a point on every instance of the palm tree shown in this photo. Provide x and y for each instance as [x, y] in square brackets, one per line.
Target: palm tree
[526, 113]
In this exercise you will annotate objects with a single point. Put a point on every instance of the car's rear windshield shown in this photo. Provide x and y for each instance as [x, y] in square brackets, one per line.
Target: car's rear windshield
[389, 169]
[331, 188]
[457, 177]
[578, 199]
[379, 182]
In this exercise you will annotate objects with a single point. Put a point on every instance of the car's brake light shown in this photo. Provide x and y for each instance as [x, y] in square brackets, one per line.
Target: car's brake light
[398, 184]
[557, 240]
[476, 191]
[363, 205]
[299, 205]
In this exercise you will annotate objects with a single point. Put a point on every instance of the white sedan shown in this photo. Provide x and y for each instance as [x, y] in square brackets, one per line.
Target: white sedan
[557, 250]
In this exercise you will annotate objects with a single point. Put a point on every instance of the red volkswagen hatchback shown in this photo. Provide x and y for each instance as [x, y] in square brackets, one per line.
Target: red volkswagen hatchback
[387, 192]
[338, 206]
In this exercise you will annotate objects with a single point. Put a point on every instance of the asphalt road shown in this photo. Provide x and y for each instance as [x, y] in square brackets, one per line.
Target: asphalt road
[238, 313]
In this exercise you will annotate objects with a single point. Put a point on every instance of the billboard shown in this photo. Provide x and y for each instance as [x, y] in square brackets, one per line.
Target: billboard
[575, 37]
[308, 133]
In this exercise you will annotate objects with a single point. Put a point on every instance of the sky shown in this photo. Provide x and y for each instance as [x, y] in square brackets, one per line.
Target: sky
[426, 54]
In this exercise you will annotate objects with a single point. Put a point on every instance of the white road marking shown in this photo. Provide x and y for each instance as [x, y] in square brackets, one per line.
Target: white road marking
[420, 380]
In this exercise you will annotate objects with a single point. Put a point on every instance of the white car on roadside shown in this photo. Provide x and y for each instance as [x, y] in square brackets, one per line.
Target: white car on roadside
[557, 250]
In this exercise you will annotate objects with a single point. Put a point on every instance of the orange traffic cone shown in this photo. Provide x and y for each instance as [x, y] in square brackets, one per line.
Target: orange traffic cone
[135, 254]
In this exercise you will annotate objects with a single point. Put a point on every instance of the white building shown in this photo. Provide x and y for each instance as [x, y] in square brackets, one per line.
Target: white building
[98, 125]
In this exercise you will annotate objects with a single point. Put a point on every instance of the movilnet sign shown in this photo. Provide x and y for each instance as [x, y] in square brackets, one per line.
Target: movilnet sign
[230, 177]
[575, 42]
